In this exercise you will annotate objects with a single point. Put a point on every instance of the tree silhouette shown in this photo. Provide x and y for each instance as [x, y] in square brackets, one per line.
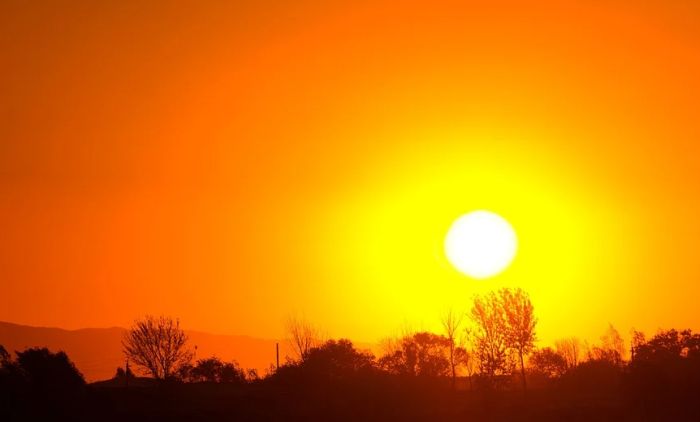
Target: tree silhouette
[668, 346]
[12, 384]
[451, 323]
[638, 339]
[46, 370]
[338, 359]
[213, 370]
[157, 345]
[423, 353]
[466, 355]
[208, 370]
[4, 356]
[548, 362]
[570, 349]
[332, 363]
[123, 374]
[611, 349]
[520, 324]
[303, 335]
[489, 335]
[664, 373]
[40, 385]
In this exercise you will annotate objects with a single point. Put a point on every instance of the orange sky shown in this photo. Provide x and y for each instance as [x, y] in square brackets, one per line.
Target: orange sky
[235, 164]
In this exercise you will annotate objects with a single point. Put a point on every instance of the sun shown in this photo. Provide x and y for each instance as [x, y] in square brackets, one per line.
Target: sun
[481, 244]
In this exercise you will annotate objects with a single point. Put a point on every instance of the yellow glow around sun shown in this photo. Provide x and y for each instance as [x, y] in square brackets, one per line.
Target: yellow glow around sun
[481, 244]
[388, 227]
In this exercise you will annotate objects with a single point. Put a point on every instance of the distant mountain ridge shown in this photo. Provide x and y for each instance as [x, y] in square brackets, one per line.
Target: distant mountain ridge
[97, 352]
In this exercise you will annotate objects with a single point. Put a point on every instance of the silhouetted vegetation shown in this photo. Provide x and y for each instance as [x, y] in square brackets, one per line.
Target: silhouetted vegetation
[419, 376]
[39, 384]
[570, 349]
[664, 374]
[124, 373]
[421, 354]
[303, 337]
[520, 324]
[157, 345]
[548, 363]
[504, 332]
[214, 370]
[451, 324]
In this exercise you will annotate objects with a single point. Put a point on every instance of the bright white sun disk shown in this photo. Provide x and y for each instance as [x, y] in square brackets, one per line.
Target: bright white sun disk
[481, 244]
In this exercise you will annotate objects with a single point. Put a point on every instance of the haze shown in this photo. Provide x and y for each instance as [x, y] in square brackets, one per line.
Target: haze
[233, 164]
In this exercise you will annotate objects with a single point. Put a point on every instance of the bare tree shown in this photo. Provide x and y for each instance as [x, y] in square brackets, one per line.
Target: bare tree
[613, 340]
[451, 322]
[466, 354]
[638, 339]
[303, 336]
[158, 345]
[570, 349]
[612, 347]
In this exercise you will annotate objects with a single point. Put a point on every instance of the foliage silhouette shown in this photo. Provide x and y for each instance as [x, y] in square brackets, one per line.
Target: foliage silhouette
[520, 324]
[40, 384]
[121, 373]
[422, 354]
[664, 374]
[490, 336]
[213, 370]
[50, 372]
[504, 330]
[4, 355]
[548, 362]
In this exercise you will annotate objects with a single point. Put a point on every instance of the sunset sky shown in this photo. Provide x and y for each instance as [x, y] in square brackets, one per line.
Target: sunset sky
[232, 163]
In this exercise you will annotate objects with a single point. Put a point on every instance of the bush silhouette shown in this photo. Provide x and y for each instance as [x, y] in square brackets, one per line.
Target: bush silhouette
[332, 361]
[421, 354]
[40, 384]
[49, 372]
[548, 362]
[213, 370]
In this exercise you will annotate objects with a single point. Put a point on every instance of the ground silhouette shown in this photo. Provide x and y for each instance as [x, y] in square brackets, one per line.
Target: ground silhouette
[480, 372]
[337, 382]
